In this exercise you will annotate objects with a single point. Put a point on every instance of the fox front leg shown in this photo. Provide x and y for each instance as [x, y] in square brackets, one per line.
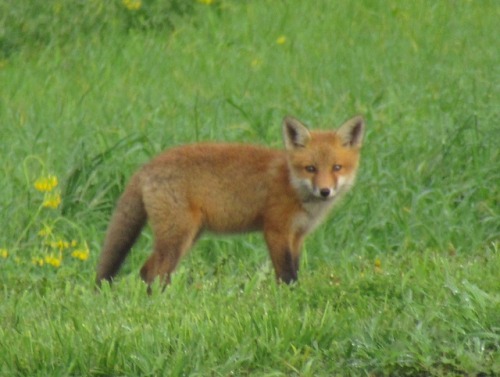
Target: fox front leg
[284, 255]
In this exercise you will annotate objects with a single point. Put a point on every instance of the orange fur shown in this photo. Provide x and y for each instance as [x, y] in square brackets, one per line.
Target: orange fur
[234, 188]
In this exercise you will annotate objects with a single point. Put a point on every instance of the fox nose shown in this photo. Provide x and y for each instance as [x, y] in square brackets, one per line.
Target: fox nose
[324, 192]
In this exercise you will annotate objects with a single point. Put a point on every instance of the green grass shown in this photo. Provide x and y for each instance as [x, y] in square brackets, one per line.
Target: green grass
[402, 279]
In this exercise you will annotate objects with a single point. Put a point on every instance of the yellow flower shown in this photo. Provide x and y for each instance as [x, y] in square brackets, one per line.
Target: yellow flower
[132, 4]
[59, 244]
[37, 261]
[4, 253]
[281, 40]
[45, 231]
[206, 2]
[256, 63]
[81, 254]
[53, 261]
[46, 184]
[52, 201]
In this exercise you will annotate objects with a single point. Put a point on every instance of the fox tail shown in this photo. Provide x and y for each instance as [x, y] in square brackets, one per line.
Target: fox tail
[126, 224]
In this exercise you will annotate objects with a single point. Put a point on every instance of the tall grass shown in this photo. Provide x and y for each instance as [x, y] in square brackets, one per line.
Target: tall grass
[402, 279]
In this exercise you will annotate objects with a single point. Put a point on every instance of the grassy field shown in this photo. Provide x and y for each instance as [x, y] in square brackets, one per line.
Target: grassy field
[403, 279]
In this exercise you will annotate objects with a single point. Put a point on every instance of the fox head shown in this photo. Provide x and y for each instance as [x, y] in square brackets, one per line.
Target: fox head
[322, 164]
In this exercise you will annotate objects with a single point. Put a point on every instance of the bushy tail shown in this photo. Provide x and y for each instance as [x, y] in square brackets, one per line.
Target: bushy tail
[125, 226]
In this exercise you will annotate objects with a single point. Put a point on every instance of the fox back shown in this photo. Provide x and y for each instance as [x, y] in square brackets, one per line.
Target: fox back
[233, 188]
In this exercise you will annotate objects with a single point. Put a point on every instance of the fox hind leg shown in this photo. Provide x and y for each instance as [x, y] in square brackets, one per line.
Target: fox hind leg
[173, 238]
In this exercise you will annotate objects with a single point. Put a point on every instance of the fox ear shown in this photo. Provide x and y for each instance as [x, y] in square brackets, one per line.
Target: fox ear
[351, 132]
[295, 134]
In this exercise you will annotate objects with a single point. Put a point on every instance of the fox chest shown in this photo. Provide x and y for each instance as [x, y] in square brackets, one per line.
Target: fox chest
[311, 216]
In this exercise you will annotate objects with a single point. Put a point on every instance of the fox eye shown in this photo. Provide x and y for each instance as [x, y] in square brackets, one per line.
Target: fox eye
[310, 168]
[337, 167]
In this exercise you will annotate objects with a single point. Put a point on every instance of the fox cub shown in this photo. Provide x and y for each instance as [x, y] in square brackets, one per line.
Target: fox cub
[232, 188]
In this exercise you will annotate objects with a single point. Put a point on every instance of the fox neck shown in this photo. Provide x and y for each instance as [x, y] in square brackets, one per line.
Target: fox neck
[312, 215]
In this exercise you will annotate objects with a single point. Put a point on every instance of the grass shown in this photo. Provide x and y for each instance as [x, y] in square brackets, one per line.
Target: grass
[402, 279]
